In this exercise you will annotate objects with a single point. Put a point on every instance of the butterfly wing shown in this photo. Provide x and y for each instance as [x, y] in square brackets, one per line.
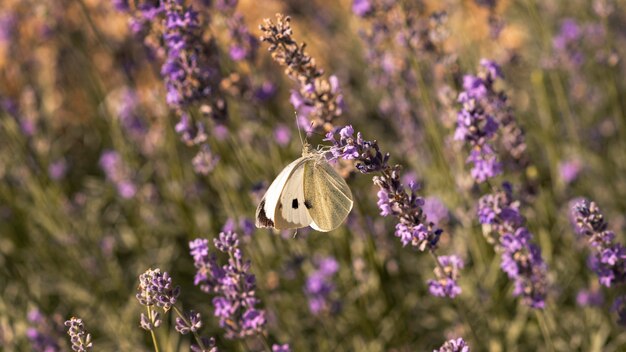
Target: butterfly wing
[269, 212]
[291, 205]
[327, 196]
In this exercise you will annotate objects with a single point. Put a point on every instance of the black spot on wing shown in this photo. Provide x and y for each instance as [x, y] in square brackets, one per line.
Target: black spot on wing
[308, 204]
[294, 203]
[262, 218]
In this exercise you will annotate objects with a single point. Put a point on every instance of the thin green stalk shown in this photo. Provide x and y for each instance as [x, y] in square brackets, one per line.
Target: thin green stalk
[545, 331]
[154, 340]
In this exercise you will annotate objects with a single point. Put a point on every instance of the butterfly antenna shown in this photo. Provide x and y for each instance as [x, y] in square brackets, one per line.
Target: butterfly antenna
[299, 131]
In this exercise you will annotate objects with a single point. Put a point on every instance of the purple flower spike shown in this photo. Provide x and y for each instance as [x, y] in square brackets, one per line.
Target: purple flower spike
[446, 283]
[394, 199]
[521, 260]
[232, 285]
[319, 286]
[609, 257]
[81, 340]
[454, 345]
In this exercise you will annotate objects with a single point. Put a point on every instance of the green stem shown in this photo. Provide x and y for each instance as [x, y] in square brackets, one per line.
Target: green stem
[545, 331]
[154, 340]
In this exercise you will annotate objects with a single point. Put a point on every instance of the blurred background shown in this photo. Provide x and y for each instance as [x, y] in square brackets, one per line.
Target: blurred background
[110, 164]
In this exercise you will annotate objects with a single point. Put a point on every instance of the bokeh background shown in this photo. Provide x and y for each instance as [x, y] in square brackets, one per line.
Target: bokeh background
[105, 173]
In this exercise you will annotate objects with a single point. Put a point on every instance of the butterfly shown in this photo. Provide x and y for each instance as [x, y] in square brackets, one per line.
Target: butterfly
[308, 192]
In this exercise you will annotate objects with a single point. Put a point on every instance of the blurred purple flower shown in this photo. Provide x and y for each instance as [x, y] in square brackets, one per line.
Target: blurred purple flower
[281, 348]
[265, 91]
[243, 45]
[446, 275]
[57, 169]
[233, 286]
[590, 298]
[570, 31]
[361, 8]
[8, 26]
[569, 170]
[42, 333]
[619, 306]
[204, 161]
[118, 173]
[319, 286]
[435, 211]
[282, 135]
[454, 345]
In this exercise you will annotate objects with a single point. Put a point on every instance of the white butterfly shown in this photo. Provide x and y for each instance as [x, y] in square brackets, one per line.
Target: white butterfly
[308, 192]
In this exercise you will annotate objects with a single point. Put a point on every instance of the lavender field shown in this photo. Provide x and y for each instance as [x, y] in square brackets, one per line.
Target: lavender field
[483, 143]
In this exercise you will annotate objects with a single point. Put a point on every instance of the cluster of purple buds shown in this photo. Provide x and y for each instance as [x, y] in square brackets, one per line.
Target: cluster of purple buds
[521, 259]
[478, 128]
[231, 284]
[80, 339]
[190, 70]
[155, 289]
[447, 274]
[484, 112]
[243, 45]
[317, 99]
[609, 258]
[118, 173]
[454, 345]
[319, 287]
[393, 198]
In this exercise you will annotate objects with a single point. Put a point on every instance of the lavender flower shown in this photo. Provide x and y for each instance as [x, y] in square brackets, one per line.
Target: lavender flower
[232, 285]
[282, 135]
[208, 344]
[619, 306]
[566, 43]
[569, 170]
[155, 289]
[484, 112]
[118, 173]
[192, 322]
[319, 286]
[609, 257]
[281, 348]
[243, 45]
[590, 298]
[204, 161]
[393, 197]
[41, 333]
[317, 99]
[81, 340]
[454, 345]
[361, 8]
[435, 210]
[191, 69]
[57, 169]
[521, 260]
[447, 274]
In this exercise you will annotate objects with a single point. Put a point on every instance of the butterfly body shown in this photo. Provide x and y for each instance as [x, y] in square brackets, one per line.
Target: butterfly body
[307, 192]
